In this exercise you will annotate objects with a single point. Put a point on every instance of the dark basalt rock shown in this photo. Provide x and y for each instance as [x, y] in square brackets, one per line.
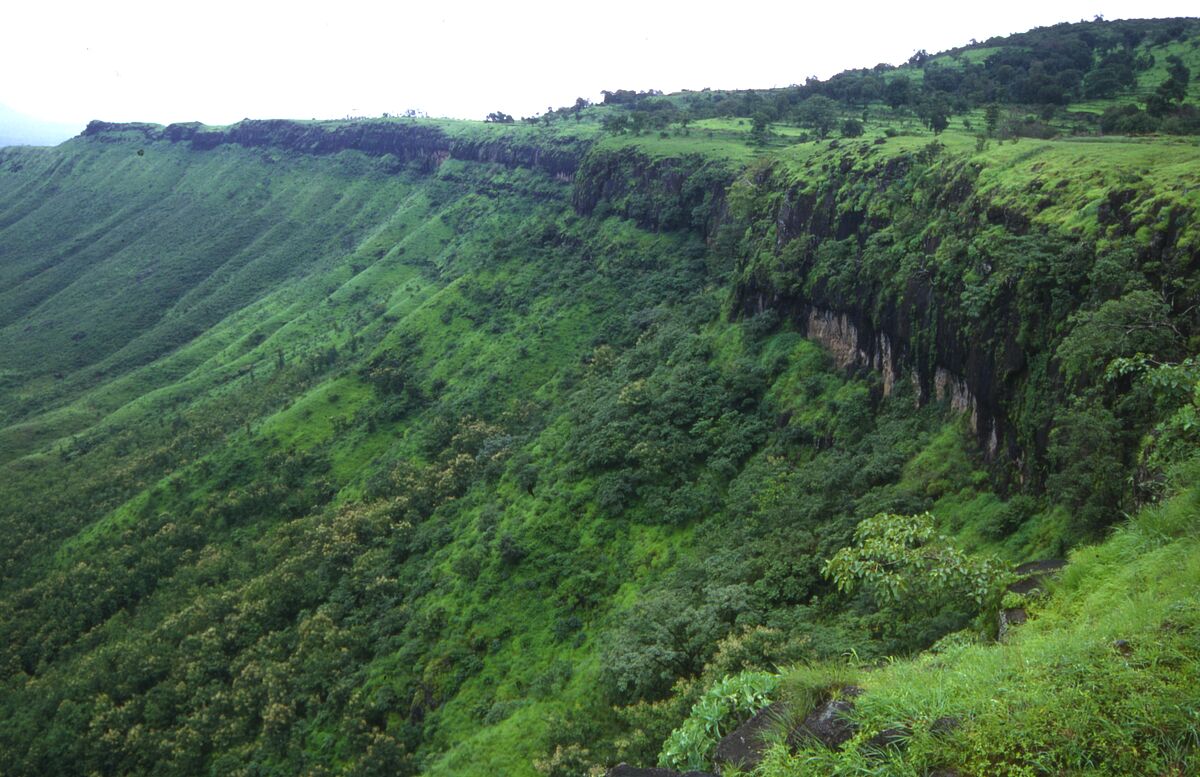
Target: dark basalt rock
[827, 723]
[97, 128]
[1033, 578]
[945, 725]
[744, 748]
[889, 738]
[177, 133]
[1043, 567]
[424, 144]
[1013, 616]
[625, 770]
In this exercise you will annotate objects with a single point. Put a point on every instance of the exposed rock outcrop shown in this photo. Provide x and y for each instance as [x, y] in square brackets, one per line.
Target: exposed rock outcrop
[1032, 577]
[828, 722]
[850, 347]
[855, 347]
[744, 747]
[889, 738]
[686, 192]
[422, 143]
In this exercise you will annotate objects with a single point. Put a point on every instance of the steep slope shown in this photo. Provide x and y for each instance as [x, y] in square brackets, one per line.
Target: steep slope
[435, 447]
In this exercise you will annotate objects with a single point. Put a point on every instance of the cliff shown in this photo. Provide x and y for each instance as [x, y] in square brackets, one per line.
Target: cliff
[423, 143]
[924, 265]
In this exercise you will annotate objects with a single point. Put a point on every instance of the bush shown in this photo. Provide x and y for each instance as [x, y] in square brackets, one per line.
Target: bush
[719, 711]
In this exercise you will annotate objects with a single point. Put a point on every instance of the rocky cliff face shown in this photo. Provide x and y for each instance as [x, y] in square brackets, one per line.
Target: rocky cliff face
[668, 193]
[899, 313]
[867, 347]
[425, 144]
[909, 334]
[862, 332]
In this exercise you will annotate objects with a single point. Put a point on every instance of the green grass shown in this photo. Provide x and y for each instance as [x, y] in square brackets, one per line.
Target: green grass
[1063, 696]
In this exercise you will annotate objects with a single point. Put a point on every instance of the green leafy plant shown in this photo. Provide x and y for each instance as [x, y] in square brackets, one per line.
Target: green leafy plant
[901, 558]
[720, 710]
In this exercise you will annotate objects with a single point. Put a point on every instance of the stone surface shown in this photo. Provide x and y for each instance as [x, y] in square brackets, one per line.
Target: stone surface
[889, 738]
[827, 723]
[1012, 616]
[1034, 573]
[945, 725]
[1042, 567]
[744, 747]
[1033, 576]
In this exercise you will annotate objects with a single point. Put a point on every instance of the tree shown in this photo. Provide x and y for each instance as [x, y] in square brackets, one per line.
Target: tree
[760, 127]
[934, 112]
[1088, 474]
[901, 560]
[852, 128]
[818, 113]
[1178, 78]
[1138, 322]
[499, 117]
[991, 117]
[1172, 91]
[898, 92]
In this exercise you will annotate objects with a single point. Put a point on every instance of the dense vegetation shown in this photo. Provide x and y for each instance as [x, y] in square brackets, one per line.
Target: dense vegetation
[1123, 77]
[413, 446]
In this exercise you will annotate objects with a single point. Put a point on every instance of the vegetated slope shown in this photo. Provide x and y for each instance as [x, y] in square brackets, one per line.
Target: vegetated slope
[404, 446]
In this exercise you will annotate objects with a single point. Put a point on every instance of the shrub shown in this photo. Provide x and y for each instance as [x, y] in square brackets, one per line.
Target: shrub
[720, 710]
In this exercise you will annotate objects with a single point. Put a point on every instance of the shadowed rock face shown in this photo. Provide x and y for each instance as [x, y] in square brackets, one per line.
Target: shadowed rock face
[424, 144]
[744, 747]
[828, 723]
[1033, 577]
[889, 738]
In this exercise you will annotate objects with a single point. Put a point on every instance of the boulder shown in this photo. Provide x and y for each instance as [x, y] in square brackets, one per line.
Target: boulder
[1033, 574]
[827, 723]
[1009, 617]
[744, 747]
[889, 738]
[945, 725]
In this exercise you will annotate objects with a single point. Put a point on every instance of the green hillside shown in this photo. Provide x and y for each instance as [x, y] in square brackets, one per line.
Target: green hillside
[413, 446]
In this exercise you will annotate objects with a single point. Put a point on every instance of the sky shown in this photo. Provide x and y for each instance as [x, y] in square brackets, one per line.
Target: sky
[218, 61]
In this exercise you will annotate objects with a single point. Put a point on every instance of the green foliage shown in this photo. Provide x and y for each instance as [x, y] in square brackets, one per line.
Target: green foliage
[901, 559]
[818, 113]
[1138, 322]
[1176, 389]
[852, 128]
[325, 453]
[1109, 655]
[722, 708]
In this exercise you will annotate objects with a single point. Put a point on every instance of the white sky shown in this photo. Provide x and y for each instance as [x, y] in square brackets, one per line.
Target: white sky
[219, 61]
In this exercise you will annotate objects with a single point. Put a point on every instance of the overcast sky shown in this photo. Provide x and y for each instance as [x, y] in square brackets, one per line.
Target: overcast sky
[218, 61]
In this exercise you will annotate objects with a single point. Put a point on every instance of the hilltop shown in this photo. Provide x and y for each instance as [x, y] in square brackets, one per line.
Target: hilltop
[418, 446]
